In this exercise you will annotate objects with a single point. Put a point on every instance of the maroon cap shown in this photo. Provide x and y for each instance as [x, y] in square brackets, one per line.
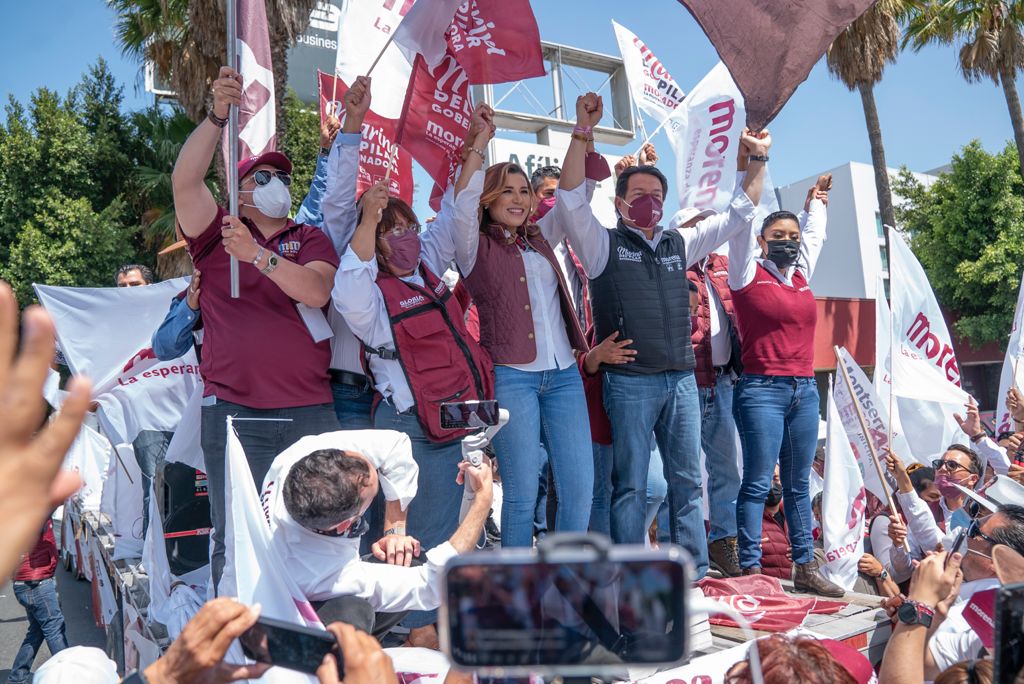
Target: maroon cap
[275, 159]
[852, 660]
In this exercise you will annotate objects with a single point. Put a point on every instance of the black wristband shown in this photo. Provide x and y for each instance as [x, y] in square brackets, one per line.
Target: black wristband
[325, 151]
[217, 121]
[758, 157]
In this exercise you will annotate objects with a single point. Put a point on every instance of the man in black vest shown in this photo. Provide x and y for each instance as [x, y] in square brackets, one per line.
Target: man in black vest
[638, 288]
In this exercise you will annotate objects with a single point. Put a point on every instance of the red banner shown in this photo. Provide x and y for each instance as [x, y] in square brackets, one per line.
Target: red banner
[378, 145]
[496, 41]
[762, 601]
[435, 120]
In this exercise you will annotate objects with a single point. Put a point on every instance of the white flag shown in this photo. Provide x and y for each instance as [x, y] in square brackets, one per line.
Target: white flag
[1011, 365]
[925, 374]
[364, 27]
[711, 119]
[253, 572]
[89, 456]
[653, 88]
[842, 505]
[423, 30]
[876, 416]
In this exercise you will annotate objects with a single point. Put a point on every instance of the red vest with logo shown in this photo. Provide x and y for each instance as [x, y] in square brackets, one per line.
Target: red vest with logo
[774, 546]
[776, 325]
[716, 273]
[440, 360]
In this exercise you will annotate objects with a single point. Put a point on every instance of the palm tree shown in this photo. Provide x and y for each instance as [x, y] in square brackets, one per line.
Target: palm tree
[186, 42]
[858, 57]
[991, 45]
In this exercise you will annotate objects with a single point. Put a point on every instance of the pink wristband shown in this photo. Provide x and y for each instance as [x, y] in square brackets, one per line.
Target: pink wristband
[583, 130]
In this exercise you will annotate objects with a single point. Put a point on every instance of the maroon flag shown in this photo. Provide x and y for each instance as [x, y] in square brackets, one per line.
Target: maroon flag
[761, 600]
[496, 41]
[435, 120]
[771, 46]
[378, 149]
[257, 129]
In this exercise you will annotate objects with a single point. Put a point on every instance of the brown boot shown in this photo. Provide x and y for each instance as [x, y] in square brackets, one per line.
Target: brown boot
[723, 556]
[752, 570]
[808, 579]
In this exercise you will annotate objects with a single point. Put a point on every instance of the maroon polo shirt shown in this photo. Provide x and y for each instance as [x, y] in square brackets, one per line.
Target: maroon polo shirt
[257, 351]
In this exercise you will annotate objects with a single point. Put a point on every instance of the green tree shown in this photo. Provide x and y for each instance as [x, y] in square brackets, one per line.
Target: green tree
[967, 229]
[68, 243]
[300, 140]
[989, 33]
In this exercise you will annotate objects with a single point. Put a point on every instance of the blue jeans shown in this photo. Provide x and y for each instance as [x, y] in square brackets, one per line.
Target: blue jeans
[45, 622]
[657, 487]
[273, 431]
[434, 512]
[150, 447]
[352, 406]
[665, 403]
[601, 507]
[547, 405]
[777, 417]
[718, 439]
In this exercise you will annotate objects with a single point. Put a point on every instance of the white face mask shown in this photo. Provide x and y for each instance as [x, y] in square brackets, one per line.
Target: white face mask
[273, 199]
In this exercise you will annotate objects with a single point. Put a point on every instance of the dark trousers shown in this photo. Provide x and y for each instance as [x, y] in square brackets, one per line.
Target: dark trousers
[45, 623]
[272, 431]
[150, 447]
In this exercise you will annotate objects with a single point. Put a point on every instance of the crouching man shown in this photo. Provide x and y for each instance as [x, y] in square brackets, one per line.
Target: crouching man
[315, 495]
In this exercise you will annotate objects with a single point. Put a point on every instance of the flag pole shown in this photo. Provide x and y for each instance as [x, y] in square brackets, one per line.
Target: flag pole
[381, 54]
[654, 133]
[391, 162]
[232, 161]
[334, 96]
[867, 438]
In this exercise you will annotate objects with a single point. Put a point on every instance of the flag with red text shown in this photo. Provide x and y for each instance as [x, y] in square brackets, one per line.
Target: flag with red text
[653, 88]
[378, 149]
[705, 141]
[496, 41]
[925, 373]
[842, 504]
[435, 120]
[257, 129]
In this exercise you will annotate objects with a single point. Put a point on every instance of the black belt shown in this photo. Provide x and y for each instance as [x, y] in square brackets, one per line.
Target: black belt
[719, 370]
[343, 377]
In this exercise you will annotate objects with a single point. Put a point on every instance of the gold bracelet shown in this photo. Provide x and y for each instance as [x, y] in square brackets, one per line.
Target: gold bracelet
[583, 138]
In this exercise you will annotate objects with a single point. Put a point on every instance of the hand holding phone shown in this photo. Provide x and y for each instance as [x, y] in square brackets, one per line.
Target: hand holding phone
[295, 647]
[365, 660]
[957, 546]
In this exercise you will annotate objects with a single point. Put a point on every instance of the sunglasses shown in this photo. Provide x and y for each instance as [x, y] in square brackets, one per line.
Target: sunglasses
[358, 528]
[262, 177]
[974, 532]
[948, 466]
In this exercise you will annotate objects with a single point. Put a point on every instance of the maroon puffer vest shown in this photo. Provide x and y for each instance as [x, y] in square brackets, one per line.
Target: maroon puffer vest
[716, 272]
[774, 546]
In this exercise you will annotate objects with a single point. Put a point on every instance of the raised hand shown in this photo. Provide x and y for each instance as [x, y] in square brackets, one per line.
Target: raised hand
[374, 201]
[648, 155]
[971, 424]
[227, 91]
[329, 128]
[589, 110]
[624, 163]
[357, 104]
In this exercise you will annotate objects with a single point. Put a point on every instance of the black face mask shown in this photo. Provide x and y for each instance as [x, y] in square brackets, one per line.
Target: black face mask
[774, 495]
[783, 253]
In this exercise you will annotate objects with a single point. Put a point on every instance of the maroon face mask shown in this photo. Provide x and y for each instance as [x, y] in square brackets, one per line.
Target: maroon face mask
[543, 207]
[645, 211]
[405, 251]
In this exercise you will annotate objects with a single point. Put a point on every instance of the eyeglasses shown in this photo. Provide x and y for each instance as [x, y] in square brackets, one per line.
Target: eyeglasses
[948, 466]
[357, 529]
[399, 231]
[262, 177]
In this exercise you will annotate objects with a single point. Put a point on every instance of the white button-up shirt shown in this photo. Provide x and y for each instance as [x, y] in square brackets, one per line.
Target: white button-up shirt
[324, 567]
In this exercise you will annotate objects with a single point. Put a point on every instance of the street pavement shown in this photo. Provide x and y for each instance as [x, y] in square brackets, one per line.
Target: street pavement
[76, 604]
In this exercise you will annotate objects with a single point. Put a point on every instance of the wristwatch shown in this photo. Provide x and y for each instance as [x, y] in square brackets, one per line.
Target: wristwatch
[915, 613]
[272, 262]
[885, 575]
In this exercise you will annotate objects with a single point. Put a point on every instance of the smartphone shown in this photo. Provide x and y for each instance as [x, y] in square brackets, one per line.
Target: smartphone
[1009, 639]
[460, 415]
[576, 612]
[295, 647]
[957, 545]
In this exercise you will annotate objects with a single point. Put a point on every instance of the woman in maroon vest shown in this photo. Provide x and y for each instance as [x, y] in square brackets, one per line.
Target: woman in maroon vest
[775, 401]
[418, 351]
[529, 326]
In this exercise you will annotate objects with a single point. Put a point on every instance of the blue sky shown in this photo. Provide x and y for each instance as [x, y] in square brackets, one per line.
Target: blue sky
[927, 110]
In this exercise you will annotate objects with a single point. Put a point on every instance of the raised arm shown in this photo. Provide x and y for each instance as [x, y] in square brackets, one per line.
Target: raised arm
[194, 204]
[455, 233]
[310, 210]
[743, 249]
[572, 212]
[339, 210]
[174, 336]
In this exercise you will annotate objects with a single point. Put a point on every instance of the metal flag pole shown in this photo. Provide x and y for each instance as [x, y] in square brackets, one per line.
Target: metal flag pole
[867, 437]
[232, 161]
[381, 54]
